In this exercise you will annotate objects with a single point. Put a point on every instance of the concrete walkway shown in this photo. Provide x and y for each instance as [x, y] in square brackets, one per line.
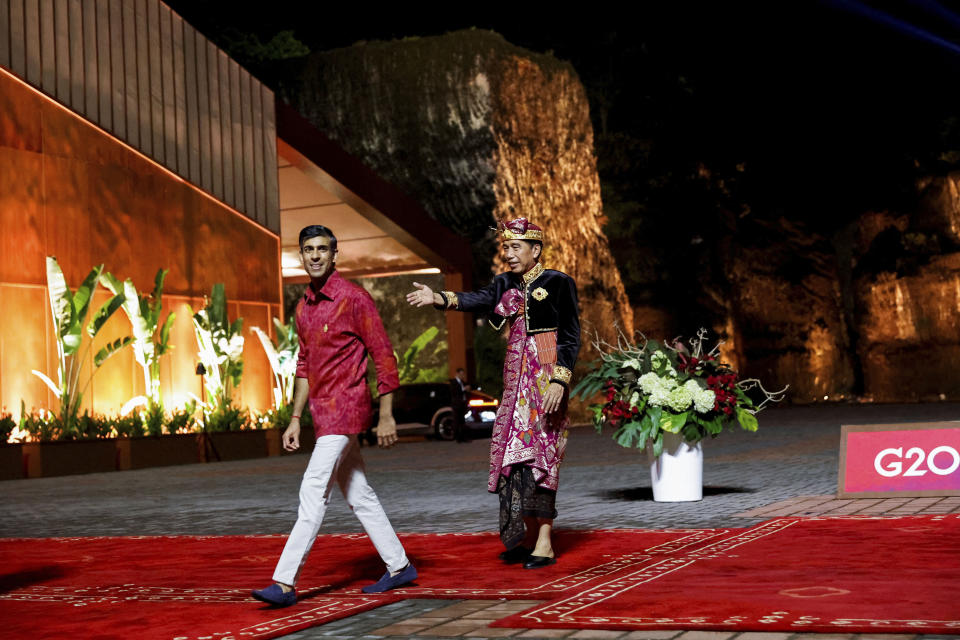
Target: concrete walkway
[788, 468]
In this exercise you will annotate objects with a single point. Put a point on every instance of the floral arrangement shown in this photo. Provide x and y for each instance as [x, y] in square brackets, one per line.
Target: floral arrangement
[656, 387]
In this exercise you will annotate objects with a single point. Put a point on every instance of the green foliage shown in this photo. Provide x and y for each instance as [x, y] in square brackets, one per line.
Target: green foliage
[655, 388]
[7, 425]
[489, 349]
[220, 345]
[182, 420]
[249, 48]
[282, 356]
[408, 364]
[226, 418]
[153, 419]
[69, 312]
[128, 426]
[151, 340]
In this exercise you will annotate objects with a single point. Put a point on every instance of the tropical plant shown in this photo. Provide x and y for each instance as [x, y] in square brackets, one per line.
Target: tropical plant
[656, 387]
[148, 344]
[227, 418]
[408, 366]
[282, 355]
[182, 420]
[220, 345]
[69, 312]
[7, 425]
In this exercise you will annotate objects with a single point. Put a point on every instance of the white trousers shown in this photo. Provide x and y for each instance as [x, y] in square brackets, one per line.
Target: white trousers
[337, 458]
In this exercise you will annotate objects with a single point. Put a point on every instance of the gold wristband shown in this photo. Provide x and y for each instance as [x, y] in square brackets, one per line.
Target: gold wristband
[451, 297]
[562, 374]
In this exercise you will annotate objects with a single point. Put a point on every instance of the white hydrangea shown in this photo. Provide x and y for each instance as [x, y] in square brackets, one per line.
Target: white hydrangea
[657, 388]
[703, 399]
[680, 398]
[633, 363]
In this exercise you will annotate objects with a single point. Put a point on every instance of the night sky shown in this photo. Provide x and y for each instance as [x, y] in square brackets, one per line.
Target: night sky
[819, 109]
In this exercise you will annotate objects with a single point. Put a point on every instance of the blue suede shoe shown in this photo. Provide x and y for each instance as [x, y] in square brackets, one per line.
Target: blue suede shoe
[387, 582]
[274, 595]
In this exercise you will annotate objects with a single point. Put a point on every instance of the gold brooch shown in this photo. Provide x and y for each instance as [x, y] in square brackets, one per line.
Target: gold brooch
[539, 294]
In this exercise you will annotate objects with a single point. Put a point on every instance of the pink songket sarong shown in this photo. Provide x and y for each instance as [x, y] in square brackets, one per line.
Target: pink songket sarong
[522, 433]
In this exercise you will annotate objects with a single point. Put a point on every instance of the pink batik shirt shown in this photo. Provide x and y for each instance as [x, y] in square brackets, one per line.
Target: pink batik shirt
[338, 325]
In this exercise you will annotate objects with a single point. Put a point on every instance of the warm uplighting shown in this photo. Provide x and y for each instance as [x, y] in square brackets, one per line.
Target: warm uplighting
[126, 145]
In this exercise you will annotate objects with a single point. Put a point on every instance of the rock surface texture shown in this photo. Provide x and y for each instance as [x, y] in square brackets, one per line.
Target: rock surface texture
[476, 130]
[907, 292]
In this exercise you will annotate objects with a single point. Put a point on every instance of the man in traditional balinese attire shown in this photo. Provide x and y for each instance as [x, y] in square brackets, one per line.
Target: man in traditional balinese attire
[539, 306]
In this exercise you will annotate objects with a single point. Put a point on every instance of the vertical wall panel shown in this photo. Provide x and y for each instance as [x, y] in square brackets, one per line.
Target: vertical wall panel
[236, 136]
[156, 81]
[144, 101]
[91, 93]
[118, 92]
[216, 139]
[75, 26]
[270, 174]
[203, 114]
[179, 95]
[18, 45]
[48, 52]
[169, 103]
[131, 91]
[226, 128]
[190, 84]
[105, 92]
[134, 68]
[259, 209]
[5, 30]
[246, 115]
[61, 44]
[31, 11]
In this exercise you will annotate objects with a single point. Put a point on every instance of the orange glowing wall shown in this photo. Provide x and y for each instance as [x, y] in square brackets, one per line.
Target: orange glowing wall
[71, 190]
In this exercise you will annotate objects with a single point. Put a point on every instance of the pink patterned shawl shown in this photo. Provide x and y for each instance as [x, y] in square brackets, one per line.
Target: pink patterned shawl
[522, 433]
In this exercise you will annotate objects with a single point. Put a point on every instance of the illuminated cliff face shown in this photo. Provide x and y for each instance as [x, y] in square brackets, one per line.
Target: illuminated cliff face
[909, 315]
[476, 130]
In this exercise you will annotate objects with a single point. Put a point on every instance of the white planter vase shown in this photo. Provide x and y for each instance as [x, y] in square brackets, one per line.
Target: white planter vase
[677, 474]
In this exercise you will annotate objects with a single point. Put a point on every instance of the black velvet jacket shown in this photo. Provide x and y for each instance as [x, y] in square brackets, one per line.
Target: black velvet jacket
[550, 304]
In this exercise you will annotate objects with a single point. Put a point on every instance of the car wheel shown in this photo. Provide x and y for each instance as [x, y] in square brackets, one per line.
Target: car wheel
[443, 426]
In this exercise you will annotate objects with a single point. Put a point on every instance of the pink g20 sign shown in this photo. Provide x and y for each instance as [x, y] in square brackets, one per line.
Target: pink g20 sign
[921, 459]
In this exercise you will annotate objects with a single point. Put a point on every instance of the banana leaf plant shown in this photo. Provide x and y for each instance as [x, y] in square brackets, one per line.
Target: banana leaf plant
[408, 365]
[150, 339]
[69, 311]
[282, 355]
[220, 349]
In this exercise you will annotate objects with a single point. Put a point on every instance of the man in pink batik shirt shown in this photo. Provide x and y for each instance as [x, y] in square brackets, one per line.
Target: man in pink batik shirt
[338, 325]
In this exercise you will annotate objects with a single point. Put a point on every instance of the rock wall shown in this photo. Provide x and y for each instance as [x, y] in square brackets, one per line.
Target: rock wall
[476, 130]
[784, 316]
[907, 293]
[871, 312]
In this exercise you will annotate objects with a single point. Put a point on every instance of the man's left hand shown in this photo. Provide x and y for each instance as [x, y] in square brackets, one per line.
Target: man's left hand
[553, 397]
[386, 432]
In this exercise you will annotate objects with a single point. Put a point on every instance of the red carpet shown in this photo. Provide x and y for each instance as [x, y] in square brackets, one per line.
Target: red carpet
[840, 575]
[837, 574]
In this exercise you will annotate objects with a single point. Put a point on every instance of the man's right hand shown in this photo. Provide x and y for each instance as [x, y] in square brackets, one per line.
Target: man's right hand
[422, 297]
[291, 437]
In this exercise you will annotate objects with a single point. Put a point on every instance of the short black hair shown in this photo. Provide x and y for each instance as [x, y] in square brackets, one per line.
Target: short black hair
[318, 230]
[534, 243]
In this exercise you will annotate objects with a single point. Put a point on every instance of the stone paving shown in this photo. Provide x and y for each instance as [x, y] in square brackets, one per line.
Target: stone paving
[789, 467]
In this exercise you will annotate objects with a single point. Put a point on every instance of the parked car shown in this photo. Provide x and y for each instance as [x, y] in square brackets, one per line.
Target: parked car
[425, 408]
